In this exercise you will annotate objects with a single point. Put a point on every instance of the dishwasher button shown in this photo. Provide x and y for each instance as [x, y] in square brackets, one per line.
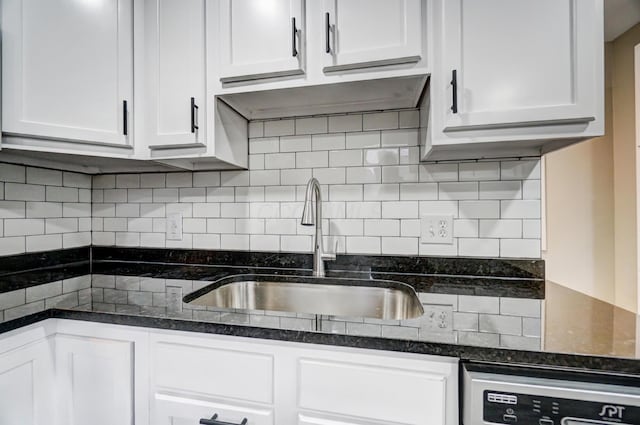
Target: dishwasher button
[509, 419]
[545, 422]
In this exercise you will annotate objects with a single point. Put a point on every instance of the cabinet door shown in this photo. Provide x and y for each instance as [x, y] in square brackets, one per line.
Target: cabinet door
[175, 72]
[340, 388]
[95, 380]
[67, 69]
[509, 72]
[260, 39]
[27, 385]
[365, 33]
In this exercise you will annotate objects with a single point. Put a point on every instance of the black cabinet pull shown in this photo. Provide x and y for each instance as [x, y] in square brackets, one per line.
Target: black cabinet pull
[294, 32]
[454, 86]
[327, 33]
[213, 421]
[125, 124]
[194, 111]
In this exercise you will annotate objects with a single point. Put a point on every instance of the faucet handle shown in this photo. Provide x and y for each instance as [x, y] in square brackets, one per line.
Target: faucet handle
[331, 256]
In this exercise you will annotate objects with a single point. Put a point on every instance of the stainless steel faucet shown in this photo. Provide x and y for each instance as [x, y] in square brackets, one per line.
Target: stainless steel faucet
[313, 195]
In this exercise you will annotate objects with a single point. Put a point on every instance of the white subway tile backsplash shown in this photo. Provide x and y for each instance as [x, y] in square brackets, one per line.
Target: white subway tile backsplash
[438, 172]
[43, 176]
[388, 156]
[127, 181]
[23, 192]
[520, 248]
[315, 125]
[363, 245]
[279, 128]
[256, 129]
[23, 227]
[382, 228]
[206, 178]
[381, 192]
[520, 170]
[312, 159]
[501, 190]
[400, 174]
[478, 247]
[279, 161]
[363, 210]
[327, 142]
[401, 209]
[400, 138]
[418, 191]
[350, 192]
[479, 209]
[179, 180]
[330, 175]
[501, 228]
[374, 191]
[364, 175]
[264, 145]
[369, 139]
[458, 190]
[344, 123]
[380, 121]
[345, 158]
[43, 243]
[295, 144]
[479, 171]
[12, 173]
[9, 209]
[520, 209]
[409, 119]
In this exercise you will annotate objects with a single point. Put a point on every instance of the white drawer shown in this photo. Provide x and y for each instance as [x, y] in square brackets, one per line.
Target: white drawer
[214, 368]
[181, 410]
[372, 392]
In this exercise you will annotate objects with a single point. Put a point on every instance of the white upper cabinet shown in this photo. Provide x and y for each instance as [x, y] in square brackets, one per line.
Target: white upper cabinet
[514, 78]
[366, 33]
[260, 39]
[175, 73]
[67, 70]
[519, 61]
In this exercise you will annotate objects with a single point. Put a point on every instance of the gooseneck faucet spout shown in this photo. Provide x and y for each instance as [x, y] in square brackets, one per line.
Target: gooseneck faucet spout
[310, 218]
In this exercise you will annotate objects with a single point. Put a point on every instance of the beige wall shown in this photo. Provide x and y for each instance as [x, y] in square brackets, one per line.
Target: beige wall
[591, 195]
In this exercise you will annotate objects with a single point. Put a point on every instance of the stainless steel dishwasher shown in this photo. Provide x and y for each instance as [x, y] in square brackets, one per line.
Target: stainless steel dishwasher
[505, 394]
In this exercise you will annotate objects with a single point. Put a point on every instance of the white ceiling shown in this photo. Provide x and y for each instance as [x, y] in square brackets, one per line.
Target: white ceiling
[619, 16]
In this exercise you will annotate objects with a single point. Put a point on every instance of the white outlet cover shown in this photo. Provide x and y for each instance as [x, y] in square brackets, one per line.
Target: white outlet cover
[174, 227]
[436, 229]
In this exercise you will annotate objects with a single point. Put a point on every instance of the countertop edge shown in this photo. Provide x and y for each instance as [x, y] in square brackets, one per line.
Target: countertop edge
[466, 353]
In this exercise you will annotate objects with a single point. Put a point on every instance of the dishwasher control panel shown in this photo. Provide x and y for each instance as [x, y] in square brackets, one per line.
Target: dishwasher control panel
[501, 407]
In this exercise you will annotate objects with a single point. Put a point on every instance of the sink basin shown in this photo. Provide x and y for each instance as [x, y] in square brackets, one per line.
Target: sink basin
[378, 299]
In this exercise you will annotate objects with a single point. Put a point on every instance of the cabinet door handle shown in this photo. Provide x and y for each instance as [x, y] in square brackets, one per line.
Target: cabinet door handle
[454, 87]
[294, 33]
[327, 33]
[213, 421]
[194, 112]
[125, 124]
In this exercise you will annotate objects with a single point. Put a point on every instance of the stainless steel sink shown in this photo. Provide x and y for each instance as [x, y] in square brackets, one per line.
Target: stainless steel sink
[379, 299]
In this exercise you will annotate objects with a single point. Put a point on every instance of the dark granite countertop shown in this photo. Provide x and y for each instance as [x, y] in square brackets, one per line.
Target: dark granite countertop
[495, 280]
[463, 352]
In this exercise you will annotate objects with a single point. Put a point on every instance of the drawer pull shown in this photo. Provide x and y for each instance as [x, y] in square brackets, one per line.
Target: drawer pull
[213, 421]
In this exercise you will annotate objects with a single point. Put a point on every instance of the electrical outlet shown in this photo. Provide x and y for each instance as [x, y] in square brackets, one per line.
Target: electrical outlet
[437, 318]
[436, 229]
[174, 226]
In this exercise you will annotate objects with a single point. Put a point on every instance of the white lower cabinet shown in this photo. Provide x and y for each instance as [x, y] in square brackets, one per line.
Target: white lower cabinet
[65, 372]
[270, 382]
[27, 384]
